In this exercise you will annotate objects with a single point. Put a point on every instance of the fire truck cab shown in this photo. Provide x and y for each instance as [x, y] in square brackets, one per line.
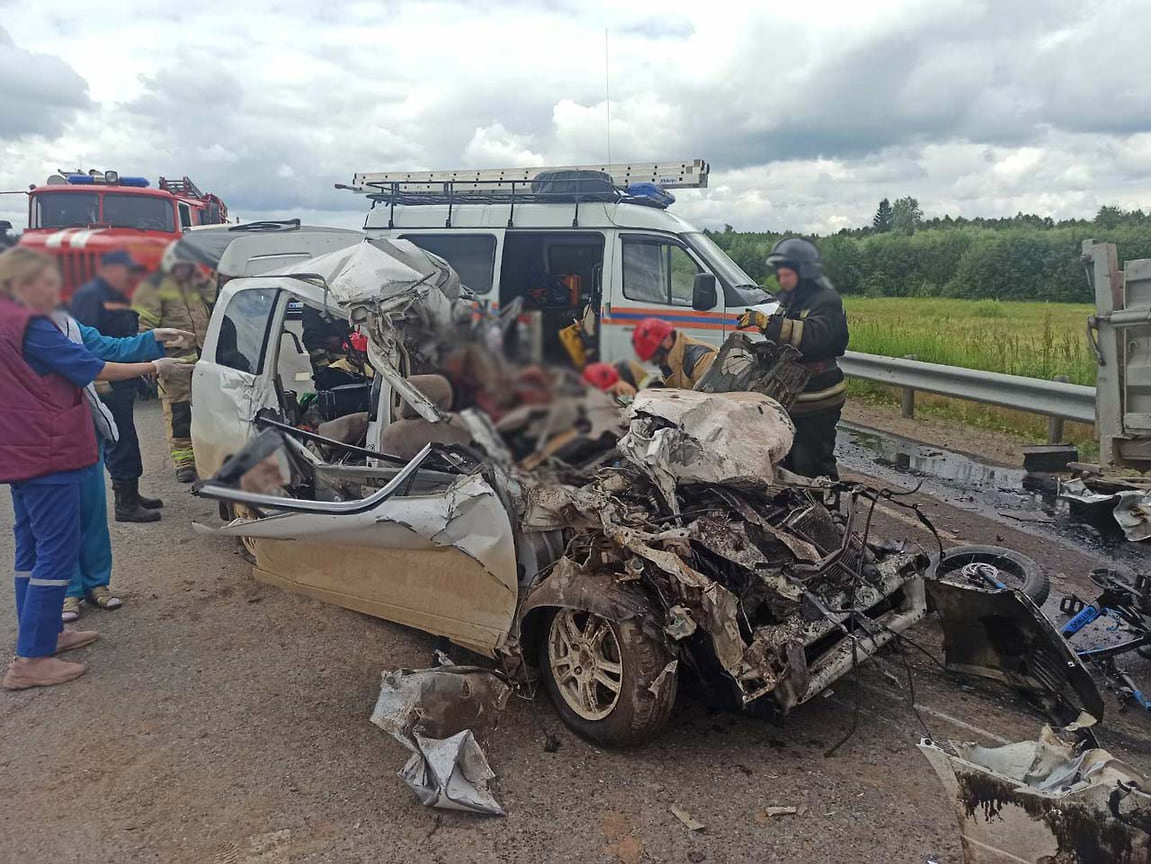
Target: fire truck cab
[77, 217]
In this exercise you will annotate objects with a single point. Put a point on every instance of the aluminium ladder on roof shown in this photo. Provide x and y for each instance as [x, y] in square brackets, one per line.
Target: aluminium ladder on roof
[688, 174]
[183, 186]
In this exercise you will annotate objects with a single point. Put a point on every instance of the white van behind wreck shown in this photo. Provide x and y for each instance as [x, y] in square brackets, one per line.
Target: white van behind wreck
[623, 551]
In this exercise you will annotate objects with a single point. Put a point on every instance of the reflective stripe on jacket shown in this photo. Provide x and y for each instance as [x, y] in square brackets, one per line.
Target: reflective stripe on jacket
[813, 321]
[182, 305]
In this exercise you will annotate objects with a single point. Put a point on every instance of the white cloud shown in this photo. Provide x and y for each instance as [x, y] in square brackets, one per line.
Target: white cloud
[38, 92]
[495, 145]
[808, 112]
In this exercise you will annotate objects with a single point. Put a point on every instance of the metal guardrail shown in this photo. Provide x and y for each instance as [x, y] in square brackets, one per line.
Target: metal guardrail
[1052, 398]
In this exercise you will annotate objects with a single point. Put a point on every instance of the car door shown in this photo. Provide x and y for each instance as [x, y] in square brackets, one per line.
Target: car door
[229, 384]
[432, 547]
[653, 277]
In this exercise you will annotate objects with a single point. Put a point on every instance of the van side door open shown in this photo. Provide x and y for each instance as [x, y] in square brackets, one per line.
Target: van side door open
[555, 274]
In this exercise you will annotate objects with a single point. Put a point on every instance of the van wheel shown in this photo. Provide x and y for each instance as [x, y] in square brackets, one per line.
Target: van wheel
[602, 677]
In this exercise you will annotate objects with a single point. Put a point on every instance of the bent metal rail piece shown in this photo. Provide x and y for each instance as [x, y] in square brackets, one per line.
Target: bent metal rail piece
[1053, 398]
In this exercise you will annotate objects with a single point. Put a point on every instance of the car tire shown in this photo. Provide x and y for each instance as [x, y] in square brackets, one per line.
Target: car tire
[646, 677]
[1017, 571]
[245, 546]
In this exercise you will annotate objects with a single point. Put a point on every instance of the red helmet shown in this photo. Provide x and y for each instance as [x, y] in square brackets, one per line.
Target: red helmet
[601, 375]
[357, 341]
[648, 335]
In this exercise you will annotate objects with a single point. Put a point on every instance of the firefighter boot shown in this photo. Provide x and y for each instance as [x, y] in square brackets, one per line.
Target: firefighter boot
[148, 503]
[186, 474]
[128, 505]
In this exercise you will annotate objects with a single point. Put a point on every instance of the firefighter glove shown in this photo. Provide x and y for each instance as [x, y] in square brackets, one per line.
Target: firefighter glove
[166, 365]
[753, 318]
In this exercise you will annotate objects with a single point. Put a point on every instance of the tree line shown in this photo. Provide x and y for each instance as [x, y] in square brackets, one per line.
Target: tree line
[901, 254]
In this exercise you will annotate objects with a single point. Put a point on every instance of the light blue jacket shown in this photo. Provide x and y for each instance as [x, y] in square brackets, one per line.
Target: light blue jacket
[128, 349]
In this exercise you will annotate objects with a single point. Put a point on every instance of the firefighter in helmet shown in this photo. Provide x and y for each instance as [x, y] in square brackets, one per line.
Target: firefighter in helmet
[682, 361]
[812, 319]
[179, 296]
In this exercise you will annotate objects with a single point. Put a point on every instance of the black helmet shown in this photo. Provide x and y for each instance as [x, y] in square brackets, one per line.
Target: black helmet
[799, 255]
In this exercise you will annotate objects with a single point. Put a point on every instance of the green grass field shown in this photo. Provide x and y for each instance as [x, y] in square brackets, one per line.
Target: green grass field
[1039, 340]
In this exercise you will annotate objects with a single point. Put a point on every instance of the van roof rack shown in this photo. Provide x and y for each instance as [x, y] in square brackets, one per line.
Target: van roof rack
[632, 183]
[688, 174]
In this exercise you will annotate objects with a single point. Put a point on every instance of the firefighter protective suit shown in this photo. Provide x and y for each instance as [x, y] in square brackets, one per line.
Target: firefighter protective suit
[185, 304]
[811, 319]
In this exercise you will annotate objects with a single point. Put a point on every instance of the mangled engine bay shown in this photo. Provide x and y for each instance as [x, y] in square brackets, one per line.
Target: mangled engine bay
[749, 573]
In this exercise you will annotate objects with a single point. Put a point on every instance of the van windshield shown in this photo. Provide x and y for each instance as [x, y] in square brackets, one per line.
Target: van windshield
[733, 278]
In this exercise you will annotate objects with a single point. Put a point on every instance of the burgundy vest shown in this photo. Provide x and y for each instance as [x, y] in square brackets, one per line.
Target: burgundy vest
[45, 424]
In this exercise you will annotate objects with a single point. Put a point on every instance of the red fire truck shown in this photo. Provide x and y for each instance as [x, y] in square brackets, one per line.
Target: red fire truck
[77, 217]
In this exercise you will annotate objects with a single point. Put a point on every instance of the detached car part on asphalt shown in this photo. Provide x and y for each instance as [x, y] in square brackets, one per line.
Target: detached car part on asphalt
[1130, 506]
[437, 714]
[999, 633]
[994, 566]
[1057, 800]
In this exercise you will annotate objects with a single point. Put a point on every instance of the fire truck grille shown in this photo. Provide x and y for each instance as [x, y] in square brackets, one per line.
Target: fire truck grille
[76, 268]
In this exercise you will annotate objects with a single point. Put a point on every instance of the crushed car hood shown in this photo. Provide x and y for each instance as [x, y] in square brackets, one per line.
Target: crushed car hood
[685, 436]
[380, 269]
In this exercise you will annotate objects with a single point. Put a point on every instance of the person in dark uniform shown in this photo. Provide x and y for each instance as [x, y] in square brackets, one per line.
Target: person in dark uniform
[811, 319]
[104, 304]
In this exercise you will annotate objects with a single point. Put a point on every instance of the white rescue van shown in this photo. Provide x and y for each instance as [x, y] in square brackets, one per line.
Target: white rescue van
[590, 243]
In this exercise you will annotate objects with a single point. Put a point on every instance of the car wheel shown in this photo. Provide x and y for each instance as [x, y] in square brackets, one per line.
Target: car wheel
[611, 683]
[1006, 565]
[245, 546]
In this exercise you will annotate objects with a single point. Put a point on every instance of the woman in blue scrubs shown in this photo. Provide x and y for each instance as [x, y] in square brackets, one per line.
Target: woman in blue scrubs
[46, 441]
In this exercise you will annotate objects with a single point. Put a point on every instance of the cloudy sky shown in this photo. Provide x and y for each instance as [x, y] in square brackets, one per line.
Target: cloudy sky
[809, 112]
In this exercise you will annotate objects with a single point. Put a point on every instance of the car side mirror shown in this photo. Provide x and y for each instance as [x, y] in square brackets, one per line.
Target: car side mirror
[703, 294]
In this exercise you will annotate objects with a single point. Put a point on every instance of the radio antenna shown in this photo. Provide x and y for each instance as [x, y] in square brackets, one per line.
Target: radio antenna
[607, 90]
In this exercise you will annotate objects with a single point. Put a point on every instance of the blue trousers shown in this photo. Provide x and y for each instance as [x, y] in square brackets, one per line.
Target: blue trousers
[123, 455]
[47, 529]
[95, 563]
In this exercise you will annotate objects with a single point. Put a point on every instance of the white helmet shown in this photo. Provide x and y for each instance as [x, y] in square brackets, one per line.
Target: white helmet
[171, 258]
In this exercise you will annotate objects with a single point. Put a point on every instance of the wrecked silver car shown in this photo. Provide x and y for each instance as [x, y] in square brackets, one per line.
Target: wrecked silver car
[602, 552]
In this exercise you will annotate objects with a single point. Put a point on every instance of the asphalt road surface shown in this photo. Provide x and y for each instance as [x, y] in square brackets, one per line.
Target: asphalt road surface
[227, 721]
